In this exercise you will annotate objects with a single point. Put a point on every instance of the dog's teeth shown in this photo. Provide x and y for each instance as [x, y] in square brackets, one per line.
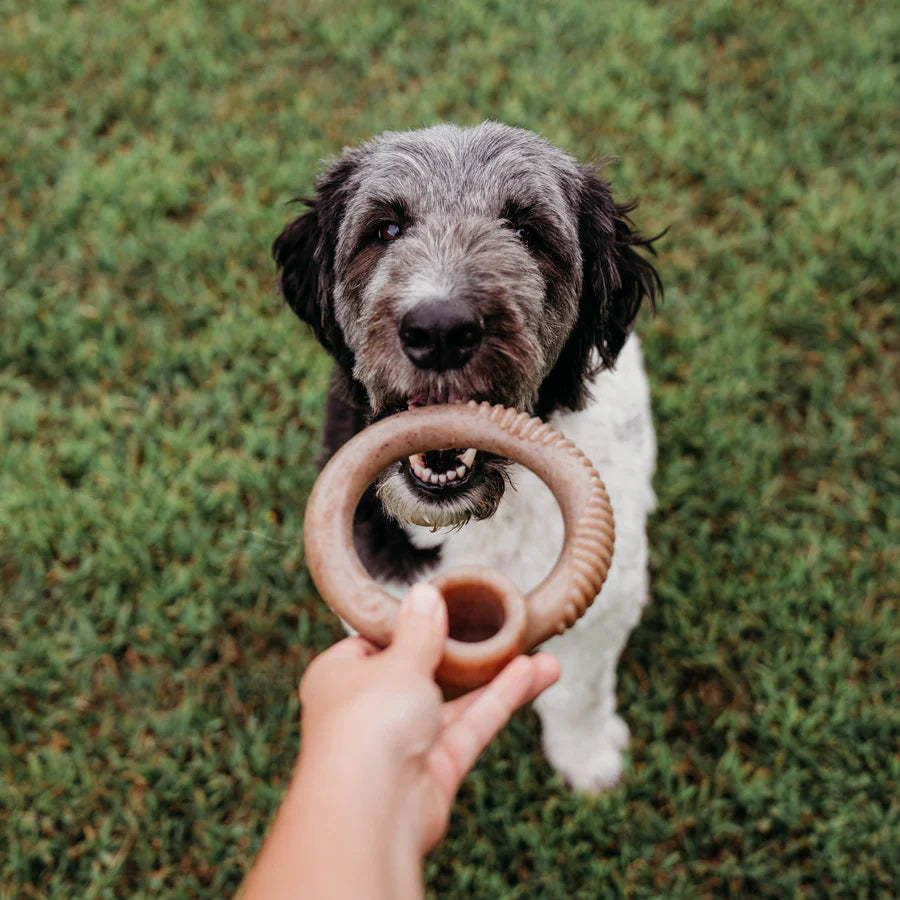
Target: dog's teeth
[417, 464]
[424, 473]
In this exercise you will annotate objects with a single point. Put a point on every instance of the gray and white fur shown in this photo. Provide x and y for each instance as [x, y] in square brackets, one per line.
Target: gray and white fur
[484, 263]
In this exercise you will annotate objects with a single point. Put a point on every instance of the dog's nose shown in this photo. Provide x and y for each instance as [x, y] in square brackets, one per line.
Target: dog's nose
[440, 334]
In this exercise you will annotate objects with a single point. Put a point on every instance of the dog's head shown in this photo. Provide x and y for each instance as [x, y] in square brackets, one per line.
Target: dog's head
[452, 264]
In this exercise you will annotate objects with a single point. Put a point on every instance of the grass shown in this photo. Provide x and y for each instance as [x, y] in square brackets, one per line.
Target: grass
[159, 412]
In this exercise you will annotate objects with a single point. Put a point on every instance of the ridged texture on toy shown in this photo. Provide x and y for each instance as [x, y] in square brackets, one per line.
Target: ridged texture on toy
[588, 552]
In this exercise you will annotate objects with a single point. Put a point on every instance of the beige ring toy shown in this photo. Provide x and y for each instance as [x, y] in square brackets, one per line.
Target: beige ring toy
[490, 620]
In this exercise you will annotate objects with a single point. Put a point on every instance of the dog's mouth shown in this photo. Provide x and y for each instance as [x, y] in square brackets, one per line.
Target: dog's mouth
[441, 486]
[442, 472]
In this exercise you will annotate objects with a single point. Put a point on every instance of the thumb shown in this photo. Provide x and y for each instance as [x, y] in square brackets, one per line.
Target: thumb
[421, 628]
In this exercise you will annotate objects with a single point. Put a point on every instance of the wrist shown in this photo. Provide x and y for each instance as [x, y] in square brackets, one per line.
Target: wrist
[350, 828]
[349, 756]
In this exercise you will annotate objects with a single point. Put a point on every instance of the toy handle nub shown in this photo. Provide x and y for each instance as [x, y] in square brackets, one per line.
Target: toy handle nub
[490, 620]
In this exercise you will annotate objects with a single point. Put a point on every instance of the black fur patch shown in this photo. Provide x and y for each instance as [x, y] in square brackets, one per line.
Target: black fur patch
[304, 253]
[616, 279]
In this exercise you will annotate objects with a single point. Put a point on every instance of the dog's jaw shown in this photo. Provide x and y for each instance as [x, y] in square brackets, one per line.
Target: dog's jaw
[450, 502]
[441, 488]
[409, 502]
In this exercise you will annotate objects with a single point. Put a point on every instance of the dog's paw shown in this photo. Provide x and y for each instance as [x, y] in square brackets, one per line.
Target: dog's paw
[589, 759]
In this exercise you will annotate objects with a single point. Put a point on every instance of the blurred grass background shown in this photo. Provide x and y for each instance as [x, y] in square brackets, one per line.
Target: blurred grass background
[159, 411]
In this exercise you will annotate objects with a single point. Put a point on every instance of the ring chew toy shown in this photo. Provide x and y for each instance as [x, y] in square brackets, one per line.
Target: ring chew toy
[490, 621]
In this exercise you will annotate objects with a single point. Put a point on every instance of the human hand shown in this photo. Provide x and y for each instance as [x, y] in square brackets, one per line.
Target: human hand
[380, 714]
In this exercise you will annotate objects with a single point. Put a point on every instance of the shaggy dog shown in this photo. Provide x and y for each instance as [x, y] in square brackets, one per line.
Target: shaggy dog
[484, 263]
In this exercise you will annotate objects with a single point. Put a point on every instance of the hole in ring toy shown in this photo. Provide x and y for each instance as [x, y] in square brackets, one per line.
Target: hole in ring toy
[490, 620]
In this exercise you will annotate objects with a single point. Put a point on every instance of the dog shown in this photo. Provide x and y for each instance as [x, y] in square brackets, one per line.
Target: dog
[450, 264]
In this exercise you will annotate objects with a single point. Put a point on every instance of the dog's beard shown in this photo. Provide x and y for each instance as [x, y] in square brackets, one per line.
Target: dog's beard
[407, 500]
[409, 490]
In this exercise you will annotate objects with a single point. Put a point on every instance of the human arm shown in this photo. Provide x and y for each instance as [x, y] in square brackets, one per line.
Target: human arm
[381, 760]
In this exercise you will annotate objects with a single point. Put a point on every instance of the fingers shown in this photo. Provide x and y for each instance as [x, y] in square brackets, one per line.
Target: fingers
[545, 672]
[477, 717]
[337, 656]
[350, 648]
[421, 628]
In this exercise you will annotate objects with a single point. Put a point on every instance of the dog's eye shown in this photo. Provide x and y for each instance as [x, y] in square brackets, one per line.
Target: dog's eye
[389, 231]
[525, 233]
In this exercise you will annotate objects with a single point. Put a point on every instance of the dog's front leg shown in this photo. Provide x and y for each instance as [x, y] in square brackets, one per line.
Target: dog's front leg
[583, 737]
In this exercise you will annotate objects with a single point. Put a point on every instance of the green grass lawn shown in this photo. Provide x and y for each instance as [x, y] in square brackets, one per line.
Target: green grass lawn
[159, 411]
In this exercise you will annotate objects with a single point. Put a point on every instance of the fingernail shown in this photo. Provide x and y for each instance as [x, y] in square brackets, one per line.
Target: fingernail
[424, 599]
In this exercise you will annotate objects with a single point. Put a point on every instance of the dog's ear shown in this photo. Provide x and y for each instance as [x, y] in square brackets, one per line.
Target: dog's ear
[617, 278]
[304, 253]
